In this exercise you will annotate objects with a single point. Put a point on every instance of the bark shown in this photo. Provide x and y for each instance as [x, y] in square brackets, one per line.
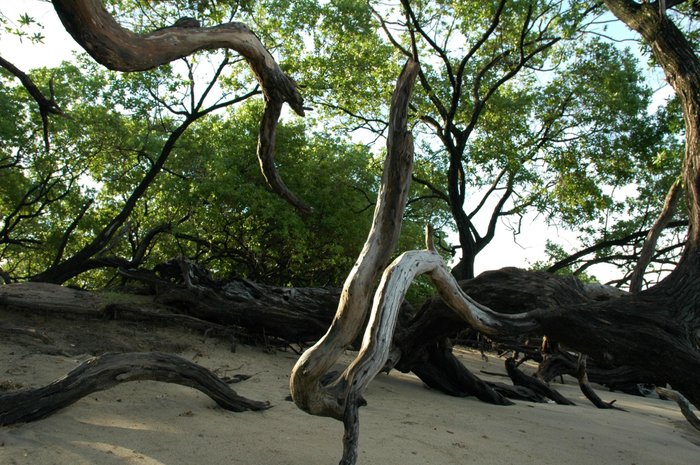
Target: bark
[120, 49]
[305, 380]
[106, 371]
[647, 252]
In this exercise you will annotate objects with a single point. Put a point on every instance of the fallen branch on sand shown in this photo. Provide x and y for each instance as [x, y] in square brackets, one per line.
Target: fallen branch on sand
[682, 402]
[106, 371]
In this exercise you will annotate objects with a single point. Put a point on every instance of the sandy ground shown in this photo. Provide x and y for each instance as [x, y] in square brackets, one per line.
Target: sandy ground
[150, 423]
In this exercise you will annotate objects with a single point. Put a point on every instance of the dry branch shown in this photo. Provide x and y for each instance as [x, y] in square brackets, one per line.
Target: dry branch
[682, 402]
[106, 371]
[305, 380]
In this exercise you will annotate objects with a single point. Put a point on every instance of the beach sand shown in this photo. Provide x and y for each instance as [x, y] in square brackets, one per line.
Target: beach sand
[151, 423]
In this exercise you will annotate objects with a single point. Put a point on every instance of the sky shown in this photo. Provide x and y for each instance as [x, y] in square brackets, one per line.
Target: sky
[505, 249]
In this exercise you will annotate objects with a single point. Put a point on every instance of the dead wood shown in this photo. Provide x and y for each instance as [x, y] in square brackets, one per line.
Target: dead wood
[522, 379]
[106, 371]
[587, 389]
[682, 402]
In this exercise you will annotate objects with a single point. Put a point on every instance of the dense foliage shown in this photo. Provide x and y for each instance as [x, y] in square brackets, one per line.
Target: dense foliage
[524, 107]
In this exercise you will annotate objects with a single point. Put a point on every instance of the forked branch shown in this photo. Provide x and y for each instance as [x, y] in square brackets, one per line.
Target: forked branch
[340, 397]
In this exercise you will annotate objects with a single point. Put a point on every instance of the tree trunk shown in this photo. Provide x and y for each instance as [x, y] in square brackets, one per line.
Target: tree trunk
[647, 252]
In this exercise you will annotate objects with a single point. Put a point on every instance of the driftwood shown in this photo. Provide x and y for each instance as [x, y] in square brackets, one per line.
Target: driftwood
[682, 402]
[106, 371]
[587, 389]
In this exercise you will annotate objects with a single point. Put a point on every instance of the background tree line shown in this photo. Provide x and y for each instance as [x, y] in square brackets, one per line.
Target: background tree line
[523, 107]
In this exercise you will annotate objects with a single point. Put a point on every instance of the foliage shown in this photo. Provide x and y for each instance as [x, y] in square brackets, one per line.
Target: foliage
[519, 110]
[211, 203]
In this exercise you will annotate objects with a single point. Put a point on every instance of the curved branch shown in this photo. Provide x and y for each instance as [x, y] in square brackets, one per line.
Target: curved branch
[266, 150]
[647, 253]
[120, 49]
[305, 380]
[106, 371]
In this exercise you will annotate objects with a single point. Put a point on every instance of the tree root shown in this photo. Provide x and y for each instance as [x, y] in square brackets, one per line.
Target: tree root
[587, 390]
[108, 370]
[521, 379]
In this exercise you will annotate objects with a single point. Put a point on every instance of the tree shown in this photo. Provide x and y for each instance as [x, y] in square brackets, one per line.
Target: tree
[146, 189]
[514, 104]
[656, 329]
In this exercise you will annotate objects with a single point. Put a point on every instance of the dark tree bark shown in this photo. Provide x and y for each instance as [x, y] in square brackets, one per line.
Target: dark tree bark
[106, 371]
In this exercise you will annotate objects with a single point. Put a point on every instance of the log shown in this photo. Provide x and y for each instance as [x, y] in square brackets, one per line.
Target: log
[297, 315]
[521, 379]
[108, 370]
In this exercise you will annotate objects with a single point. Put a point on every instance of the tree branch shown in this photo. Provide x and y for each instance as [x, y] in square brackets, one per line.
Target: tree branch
[47, 106]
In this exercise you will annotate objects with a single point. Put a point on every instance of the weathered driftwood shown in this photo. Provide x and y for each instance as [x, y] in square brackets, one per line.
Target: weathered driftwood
[106, 371]
[682, 402]
[521, 379]
[587, 389]
[305, 381]
[120, 49]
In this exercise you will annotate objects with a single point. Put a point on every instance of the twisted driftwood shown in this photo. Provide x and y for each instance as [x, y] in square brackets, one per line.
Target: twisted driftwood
[340, 397]
[106, 371]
